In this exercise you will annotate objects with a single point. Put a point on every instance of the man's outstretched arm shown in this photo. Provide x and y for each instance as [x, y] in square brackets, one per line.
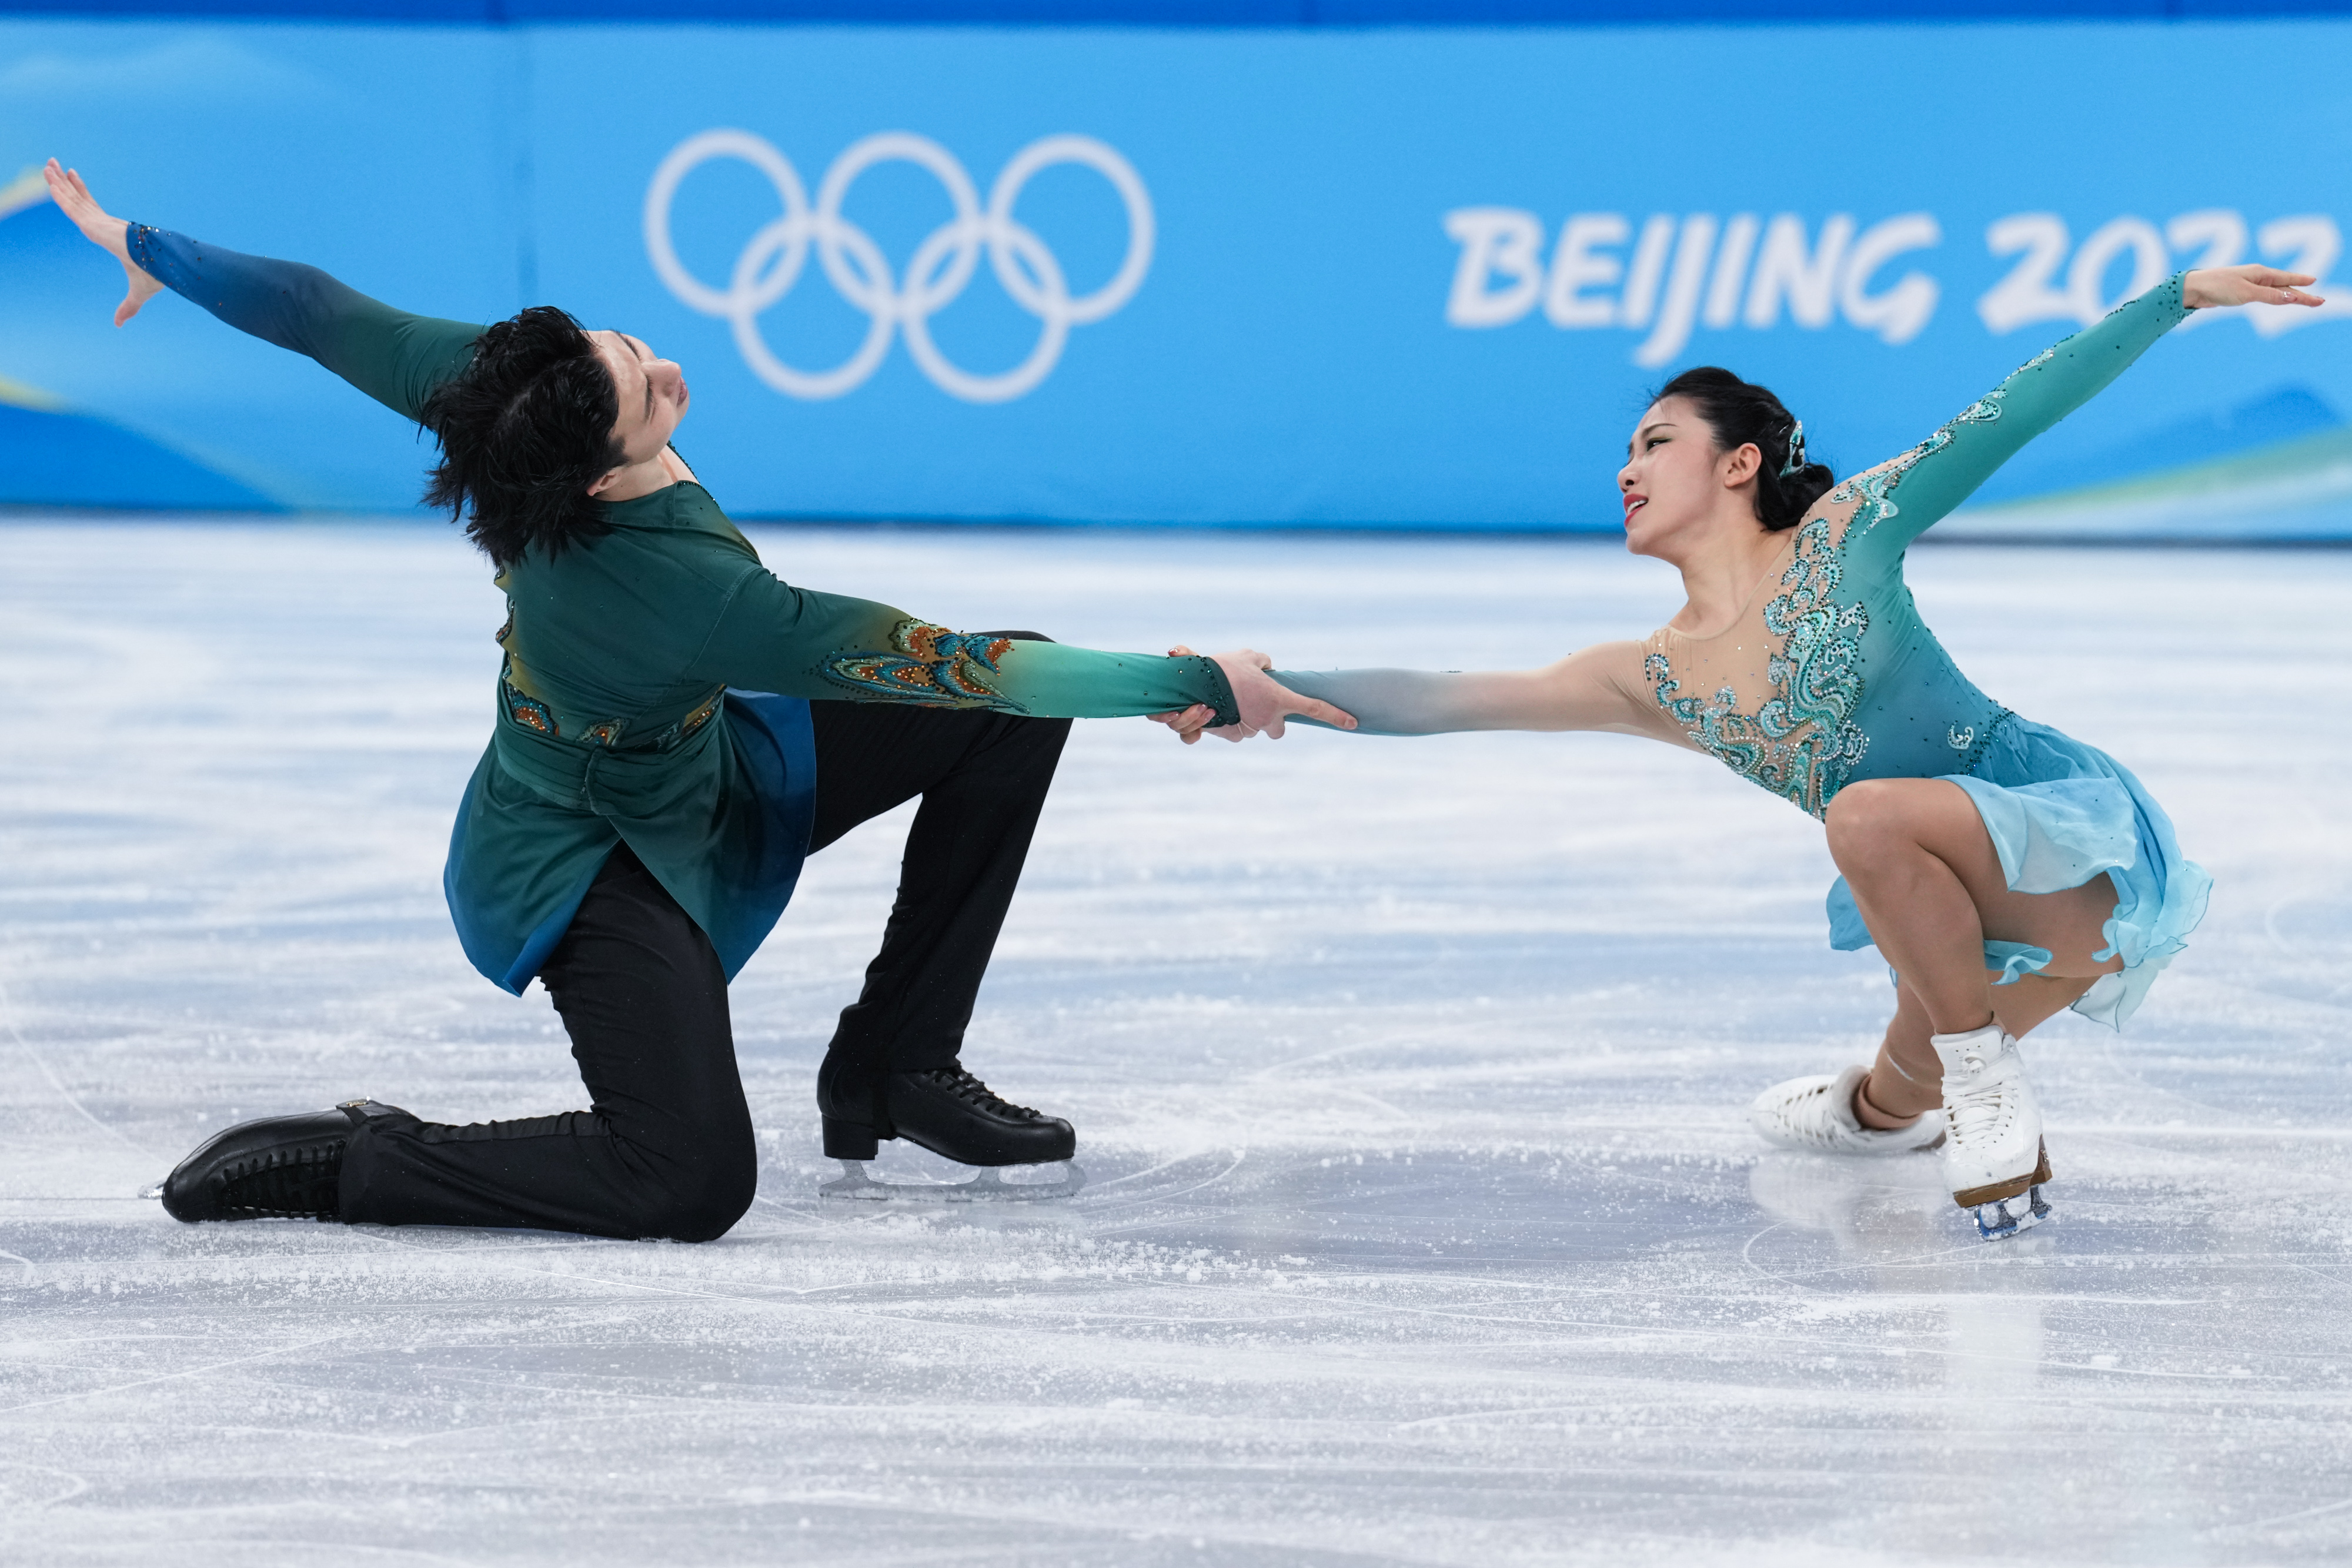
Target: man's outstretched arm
[395, 358]
[773, 637]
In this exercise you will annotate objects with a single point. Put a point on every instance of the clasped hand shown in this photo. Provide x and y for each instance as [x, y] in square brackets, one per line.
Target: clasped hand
[1265, 702]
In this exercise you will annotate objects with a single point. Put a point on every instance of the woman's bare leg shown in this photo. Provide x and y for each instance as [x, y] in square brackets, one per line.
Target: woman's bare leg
[1929, 886]
[1908, 1079]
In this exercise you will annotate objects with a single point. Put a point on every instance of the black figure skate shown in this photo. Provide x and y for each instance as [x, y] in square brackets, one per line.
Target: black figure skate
[952, 1114]
[280, 1167]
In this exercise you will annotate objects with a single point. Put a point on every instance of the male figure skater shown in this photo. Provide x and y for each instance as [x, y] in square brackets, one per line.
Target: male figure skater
[677, 729]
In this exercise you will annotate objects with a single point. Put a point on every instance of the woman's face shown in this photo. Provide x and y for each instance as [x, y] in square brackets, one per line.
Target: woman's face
[652, 394]
[1674, 482]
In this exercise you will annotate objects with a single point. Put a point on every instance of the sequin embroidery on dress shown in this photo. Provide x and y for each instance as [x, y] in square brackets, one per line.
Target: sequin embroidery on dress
[1800, 742]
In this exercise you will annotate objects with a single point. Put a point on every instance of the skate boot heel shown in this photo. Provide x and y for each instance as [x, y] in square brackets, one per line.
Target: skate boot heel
[848, 1141]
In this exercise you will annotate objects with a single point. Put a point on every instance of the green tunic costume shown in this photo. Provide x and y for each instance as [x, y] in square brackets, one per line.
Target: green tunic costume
[656, 684]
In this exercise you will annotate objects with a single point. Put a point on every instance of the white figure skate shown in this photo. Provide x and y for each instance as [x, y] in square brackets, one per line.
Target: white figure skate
[1816, 1114]
[1994, 1160]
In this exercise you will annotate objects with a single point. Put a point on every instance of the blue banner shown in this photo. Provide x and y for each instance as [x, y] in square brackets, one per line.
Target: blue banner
[1411, 279]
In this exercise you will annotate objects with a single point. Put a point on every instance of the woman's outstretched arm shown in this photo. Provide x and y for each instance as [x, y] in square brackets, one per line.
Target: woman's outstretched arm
[1600, 687]
[395, 358]
[1932, 478]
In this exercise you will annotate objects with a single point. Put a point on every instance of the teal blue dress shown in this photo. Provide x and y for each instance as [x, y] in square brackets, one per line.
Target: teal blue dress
[1829, 677]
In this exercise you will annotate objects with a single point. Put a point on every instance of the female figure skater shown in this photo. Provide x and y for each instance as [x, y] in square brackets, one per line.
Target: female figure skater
[657, 773]
[2004, 870]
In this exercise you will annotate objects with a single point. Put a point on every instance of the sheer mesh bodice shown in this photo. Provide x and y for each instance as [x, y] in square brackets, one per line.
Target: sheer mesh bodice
[1828, 674]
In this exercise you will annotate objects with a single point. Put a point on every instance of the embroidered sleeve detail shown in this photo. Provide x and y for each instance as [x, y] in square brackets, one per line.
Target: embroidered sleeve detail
[931, 666]
[1875, 489]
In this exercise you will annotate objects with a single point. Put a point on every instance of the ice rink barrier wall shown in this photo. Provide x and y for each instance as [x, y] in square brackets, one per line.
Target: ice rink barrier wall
[1259, 265]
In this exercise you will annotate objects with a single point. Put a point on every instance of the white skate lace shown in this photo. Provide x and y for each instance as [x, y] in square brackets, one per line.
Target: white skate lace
[1979, 1115]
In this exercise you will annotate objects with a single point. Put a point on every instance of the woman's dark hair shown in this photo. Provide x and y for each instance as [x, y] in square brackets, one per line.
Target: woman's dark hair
[524, 430]
[1741, 411]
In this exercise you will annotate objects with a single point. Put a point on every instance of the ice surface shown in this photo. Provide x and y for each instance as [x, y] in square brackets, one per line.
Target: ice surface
[1423, 1225]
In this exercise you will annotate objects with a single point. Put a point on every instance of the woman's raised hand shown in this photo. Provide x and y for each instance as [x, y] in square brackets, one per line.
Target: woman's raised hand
[111, 234]
[1265, 702]
[2249, 285]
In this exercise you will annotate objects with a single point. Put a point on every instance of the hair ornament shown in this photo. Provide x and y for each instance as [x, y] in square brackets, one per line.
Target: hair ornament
[1796, 459]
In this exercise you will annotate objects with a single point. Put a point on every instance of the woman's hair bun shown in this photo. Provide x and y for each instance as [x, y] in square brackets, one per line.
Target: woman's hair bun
[1741, 413]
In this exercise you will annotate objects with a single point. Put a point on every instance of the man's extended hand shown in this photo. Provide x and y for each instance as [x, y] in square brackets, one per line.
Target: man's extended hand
[1265, 703]
[111, 234]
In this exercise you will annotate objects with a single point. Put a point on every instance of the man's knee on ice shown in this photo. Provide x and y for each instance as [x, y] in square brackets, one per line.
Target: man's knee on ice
[703, 1198]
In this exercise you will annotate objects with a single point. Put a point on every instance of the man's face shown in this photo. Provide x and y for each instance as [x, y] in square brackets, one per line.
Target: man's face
[652, 394]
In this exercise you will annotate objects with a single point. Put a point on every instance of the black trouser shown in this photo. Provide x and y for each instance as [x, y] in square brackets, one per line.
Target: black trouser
[666, 1148]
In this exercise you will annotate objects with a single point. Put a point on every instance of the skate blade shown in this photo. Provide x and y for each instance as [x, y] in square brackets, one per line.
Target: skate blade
[2000, 1191]
[155, 1191]
[988, 1187]
[1999, 1220]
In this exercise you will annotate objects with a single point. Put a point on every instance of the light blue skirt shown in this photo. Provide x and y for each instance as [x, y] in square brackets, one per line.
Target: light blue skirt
[2060, 813]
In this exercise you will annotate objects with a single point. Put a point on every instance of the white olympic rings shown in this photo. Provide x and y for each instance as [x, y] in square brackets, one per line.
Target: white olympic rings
[942, 265]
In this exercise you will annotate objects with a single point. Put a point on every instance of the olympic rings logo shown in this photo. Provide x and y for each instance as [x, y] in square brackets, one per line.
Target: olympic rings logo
[942, 265]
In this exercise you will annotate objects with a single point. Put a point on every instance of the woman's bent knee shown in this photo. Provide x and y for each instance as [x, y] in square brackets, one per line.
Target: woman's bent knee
[1865, 815]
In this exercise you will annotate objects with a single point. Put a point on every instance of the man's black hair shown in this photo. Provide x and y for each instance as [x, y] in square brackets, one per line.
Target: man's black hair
[525, 430]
